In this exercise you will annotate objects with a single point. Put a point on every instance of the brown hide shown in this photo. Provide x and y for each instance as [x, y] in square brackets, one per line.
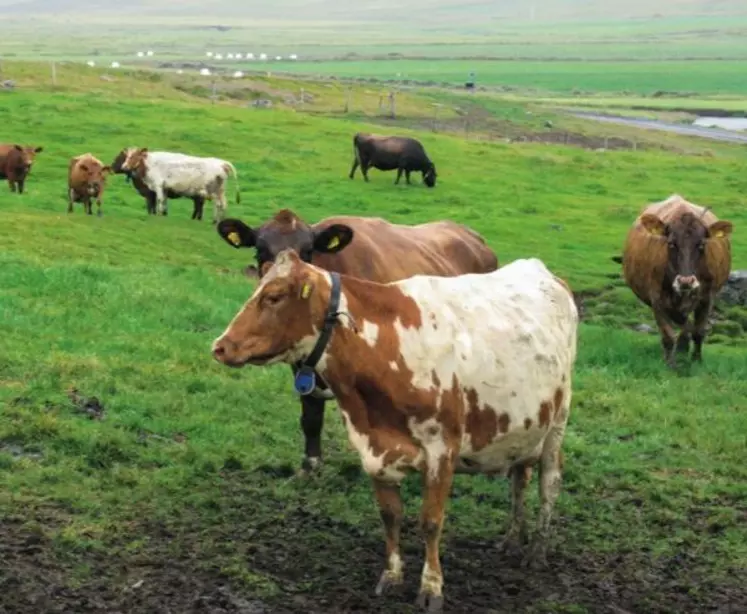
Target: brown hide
[86, 181]
[16, 162]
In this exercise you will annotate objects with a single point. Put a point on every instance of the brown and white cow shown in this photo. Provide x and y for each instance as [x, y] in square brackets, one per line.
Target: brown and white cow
[15, 164]
[433, 374]
[364, 247]
[677, 256]
[149, 195]
[86, 180]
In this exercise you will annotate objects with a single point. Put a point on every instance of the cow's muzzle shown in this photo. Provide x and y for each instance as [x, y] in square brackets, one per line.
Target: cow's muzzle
[685, 284]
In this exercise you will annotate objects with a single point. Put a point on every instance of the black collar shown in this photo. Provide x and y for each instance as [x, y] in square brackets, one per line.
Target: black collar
[305, 378]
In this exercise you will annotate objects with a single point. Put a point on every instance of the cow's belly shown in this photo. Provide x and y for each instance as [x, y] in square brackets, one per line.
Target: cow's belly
[502, 454]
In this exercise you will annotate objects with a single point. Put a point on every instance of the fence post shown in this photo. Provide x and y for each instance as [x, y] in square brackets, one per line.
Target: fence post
[214, 88]
[606, 142]
[348, 95]
[392, 105]
[54, 73]
[303, 95]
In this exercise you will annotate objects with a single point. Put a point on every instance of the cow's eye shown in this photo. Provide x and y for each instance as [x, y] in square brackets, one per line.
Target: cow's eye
[270, 300]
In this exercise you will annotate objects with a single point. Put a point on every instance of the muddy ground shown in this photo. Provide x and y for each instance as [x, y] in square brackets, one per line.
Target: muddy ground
[320, 565]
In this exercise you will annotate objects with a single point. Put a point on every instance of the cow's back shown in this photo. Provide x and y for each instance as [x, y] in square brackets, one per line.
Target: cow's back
[384, 252]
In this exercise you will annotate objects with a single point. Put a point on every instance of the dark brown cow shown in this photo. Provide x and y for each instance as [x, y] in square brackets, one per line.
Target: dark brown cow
[86, 180]
[387, 153]
[438, 375]
[677, 256]
[15, 164]
[150, 195]
[364, 247]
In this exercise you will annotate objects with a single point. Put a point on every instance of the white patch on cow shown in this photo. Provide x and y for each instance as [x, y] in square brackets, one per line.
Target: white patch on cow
[372, 464]
[431, 581]
[393, 366]
[395, 564]
[370, 332]
[430, 436]
[509, 335]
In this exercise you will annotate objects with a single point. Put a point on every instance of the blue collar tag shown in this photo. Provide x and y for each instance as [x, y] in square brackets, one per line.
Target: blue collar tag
[305, 381]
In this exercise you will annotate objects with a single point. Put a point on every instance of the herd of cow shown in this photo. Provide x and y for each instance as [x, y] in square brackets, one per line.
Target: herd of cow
[440, 360]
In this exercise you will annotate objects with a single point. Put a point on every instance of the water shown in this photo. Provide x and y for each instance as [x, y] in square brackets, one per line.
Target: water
[726, 123]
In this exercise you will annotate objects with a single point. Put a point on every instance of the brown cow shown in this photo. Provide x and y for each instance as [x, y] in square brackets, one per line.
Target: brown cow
[15, 164]
[439, 375]
[147, 193]
[676, 258]
[388, 153]
[86, 180]
[364, 247]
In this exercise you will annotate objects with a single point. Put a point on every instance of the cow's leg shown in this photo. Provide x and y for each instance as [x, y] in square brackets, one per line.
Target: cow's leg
[70, 196]
[516, 536]
[21, 184]
[160, 201]
[407, 177]
[98, 206]
[12, 184]
[390, 508]
[700, 322]
[437, 477]
[399, 175]
[200, 206]
[683, 340]
[364, 170]
[87, 205]
[667, 338]
[356, 164]
[551, 479]
[312, 421]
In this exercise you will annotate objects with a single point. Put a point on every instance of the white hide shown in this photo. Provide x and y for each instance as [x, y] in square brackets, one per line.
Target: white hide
[188, 175]
[510, 335]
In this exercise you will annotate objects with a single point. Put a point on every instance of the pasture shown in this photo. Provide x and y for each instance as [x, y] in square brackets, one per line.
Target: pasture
[174, 488]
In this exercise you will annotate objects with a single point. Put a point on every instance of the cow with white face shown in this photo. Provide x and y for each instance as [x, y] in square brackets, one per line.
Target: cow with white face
[439, 375]
[193, 176]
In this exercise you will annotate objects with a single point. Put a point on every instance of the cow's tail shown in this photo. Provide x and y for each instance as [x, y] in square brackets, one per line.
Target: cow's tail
[356, 153]
[232, 169]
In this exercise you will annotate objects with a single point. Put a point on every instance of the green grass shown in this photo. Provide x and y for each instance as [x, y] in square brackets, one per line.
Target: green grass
[124, 307]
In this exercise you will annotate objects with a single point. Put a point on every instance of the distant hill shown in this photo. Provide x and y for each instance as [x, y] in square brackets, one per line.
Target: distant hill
[418, 12]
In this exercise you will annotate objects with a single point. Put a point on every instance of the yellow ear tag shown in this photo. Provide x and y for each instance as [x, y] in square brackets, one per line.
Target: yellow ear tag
[333, 242]
[305, 291]
[234, 238]
[719, 234]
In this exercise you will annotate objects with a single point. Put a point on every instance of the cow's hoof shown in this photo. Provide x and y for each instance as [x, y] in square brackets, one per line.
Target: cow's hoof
[536, 557]
[389, 580]
[310, 465]
[512, 544]
[433, 604]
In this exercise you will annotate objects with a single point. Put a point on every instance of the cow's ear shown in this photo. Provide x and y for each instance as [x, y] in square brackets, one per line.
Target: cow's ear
[236, 233]
[38, 149]
[84, 167]
[653, 225]
[18, 147]
[106, 169]
[720, 230]
[333, 239]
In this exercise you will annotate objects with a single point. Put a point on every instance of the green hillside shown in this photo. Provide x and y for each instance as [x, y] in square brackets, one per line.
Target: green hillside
[174, 490]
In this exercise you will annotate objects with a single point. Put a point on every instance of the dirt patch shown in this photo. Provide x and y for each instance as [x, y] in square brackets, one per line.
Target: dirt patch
[320, 565]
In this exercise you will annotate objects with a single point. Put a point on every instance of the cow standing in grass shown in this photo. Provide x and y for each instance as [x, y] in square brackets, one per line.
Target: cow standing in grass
[189, 175]
[363, 247]
[150, 195]
[86, 180]
[677, 257]
[388, 153]
[438, 375]
[15, 164]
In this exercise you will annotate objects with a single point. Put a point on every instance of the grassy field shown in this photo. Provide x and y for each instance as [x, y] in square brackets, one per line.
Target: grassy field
[174, 493]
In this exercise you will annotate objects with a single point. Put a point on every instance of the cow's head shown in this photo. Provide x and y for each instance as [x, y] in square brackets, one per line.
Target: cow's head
[27, 156]
[95, 177]
[687, 238]
[134, 158]
[280, 321]
[429, 175]
[284, 230]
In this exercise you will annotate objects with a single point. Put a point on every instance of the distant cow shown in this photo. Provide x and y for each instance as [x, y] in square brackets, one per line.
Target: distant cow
[15, 164]
[387, 153]
[86, 180]
[364, 247]
[150, 195]
[437, 375]
[184, 174]
[676, 258]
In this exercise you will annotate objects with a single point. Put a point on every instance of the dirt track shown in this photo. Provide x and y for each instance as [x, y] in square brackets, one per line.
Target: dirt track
[323, 566]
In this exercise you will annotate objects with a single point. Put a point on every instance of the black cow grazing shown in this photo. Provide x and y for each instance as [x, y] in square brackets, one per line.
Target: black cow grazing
[387, 153]
[150, 195]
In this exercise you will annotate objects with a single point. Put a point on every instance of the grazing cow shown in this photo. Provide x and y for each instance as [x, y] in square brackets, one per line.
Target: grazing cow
[15, 164]
[677, 256]
[387, 153]
[434, 374]
[368, 248]
[150, 195]
[86, 180]
[184, 174]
